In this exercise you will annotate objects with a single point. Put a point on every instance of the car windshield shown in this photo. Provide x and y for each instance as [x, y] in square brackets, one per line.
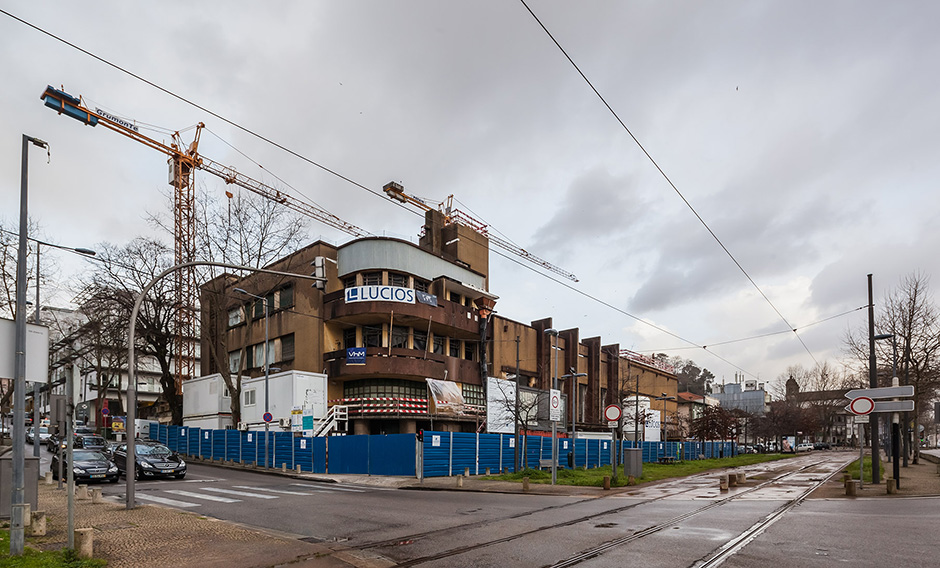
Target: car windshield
[87, 455]
[43, 430]
[149, 450]
[94, 440]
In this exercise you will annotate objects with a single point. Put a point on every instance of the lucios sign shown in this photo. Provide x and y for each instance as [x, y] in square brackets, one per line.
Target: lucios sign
[380, 294]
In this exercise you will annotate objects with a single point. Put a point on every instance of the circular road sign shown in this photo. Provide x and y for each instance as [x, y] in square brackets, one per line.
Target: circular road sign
[267, 417]
[861, 406]
[555, 401]
[612, 412]
[104, 411]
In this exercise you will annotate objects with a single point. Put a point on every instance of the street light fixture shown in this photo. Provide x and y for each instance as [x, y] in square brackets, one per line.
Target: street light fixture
[554, 333]
[267, 367]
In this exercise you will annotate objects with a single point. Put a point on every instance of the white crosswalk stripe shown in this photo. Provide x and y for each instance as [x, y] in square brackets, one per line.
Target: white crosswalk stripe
[239, 493]
[165, 501]
[201, 496]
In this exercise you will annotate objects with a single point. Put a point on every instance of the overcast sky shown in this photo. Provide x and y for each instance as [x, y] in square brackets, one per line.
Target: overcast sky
[805, 135]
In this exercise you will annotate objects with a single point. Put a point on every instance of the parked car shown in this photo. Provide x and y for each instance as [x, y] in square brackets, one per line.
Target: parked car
[804, 447]
[87, 465]
[821, 446]
[152, 460]
[56, 440]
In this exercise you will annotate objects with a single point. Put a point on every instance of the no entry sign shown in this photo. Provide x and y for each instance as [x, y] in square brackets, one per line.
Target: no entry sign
[861, 406]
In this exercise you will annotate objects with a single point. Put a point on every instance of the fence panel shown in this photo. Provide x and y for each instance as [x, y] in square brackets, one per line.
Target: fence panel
[464, 452]
[162, 434]
[490, 452]
[348, 454]
[392, 454]
[283, 450]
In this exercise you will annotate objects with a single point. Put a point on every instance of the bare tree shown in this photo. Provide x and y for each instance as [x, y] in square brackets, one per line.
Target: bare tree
[526, 413]
[108, 297]
[9, 251]
[243, 229]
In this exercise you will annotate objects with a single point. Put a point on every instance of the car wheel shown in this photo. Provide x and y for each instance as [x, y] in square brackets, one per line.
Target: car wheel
[116, 479]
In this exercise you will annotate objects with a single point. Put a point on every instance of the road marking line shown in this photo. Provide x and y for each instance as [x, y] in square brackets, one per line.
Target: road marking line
[163, 501]
[281, 491]
[201, 496]
[242, 493]
[329, 488]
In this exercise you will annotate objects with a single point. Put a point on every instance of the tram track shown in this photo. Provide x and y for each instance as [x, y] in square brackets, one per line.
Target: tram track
[598, 550]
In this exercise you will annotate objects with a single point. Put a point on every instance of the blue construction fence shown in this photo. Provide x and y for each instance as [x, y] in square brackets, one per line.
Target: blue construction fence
[441, 453]
[452, 453]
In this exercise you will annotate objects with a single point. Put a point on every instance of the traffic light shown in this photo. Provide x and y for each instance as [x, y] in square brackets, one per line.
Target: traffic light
[420, 435]
[319, 271]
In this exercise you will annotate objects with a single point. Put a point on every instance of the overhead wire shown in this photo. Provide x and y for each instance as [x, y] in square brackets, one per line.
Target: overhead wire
[665, 176]
[378, 194]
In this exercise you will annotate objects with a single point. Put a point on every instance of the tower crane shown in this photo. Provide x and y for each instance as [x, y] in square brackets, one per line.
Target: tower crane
[396, 192]
[183, 160]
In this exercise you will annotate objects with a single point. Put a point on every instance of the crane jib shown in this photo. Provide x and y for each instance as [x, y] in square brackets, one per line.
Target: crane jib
[68, 105]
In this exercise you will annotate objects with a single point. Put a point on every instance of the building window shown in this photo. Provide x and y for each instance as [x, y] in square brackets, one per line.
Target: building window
[349, 281]
[384, 388]
[420, 340]
[258, 355]
[473, 394]
[438, 345]
[287, 347]
[372, 336]
[454, 348]
[235, 362]
[249, 396]
[372, 279]
[235, 316]
[454, 297]
[398, 279]
[469, 347]
[285, 298]
[349, 338]
[399, 339]
[257, 309]
[422, 285]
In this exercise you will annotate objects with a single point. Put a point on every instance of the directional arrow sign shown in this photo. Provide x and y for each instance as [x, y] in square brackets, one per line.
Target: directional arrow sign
[884, 392]
[887, 406]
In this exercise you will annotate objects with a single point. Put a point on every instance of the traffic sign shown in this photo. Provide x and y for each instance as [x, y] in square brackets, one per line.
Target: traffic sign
[889, 406]
[861, 405]
[612, 413]
[104, 411]
[883, 392]
[862, 419]
[554, 405]
[267, 417]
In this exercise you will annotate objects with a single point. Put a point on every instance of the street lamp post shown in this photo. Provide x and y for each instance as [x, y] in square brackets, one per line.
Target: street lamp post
[574, 400]
[267, 369]
[36, 385]
[664, 398]
[554, 333]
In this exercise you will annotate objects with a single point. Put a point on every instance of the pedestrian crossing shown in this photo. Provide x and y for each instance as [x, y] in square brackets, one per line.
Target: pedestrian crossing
[197, 496]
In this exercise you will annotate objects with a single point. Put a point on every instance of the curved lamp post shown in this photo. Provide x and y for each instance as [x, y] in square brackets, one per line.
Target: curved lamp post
[131, 465]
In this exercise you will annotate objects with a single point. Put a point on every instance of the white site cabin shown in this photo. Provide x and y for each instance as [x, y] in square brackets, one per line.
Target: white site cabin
[208, 404]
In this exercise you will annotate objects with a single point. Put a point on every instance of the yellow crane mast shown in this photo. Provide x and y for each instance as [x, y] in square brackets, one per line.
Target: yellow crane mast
[183, 160]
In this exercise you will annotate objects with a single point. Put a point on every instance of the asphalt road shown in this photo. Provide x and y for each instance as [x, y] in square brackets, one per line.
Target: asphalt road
[686, 522]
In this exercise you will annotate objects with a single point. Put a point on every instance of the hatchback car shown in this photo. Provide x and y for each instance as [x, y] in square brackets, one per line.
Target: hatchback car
[43, 435]
[90, 442]
[87, 465]
[152, 460]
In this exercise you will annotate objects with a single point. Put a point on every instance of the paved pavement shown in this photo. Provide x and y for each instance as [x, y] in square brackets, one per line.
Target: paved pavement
[160, 536]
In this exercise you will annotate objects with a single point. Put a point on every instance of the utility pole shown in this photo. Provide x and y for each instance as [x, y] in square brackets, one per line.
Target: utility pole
[516, 414]
[873, 383]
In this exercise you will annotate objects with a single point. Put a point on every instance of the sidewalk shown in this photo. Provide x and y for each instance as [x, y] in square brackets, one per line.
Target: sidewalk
[916, 480]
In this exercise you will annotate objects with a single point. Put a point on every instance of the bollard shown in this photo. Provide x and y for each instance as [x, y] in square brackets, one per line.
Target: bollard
[459, 481]
[96, 495]
[48, 478]
[37, 524]
[525, 484]
[298, 468]
[487, 471]
[466, 472]
[84, 543]
[81, 492]
[631, 480]
[606, 483]
[27, 516]
[283, 468]
[742, 478]
[846, 477]
[892, 485]
[723, 483]
[732, 480]
[851, 488]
